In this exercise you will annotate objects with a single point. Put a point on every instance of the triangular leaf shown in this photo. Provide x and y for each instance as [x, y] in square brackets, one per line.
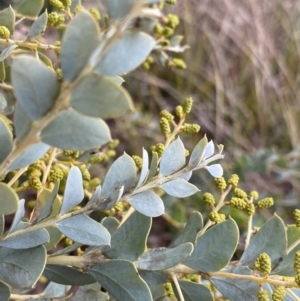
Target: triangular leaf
[4, 292]
[18, 215]
[190, 231]
[35, 85]
[9, 200]
[129, 240]
[179, 188]
[163, 258]
[38, 27]
[7, 19]
[198, 151]
[126, 54]
[85, 230]
[22, 268]
[22, 122]
[30, 8]
[80, 39]
[147, 203]
[67, 275]
[120, 278]
[98, 96]
[145, 168]
[173, 158]
[214, 248]
[71, 130]
[7, 51]
[215, 170]
[29, 155]
[74, 192]
[121, 173]
[263, 242]
[153, 166]
[208, 150]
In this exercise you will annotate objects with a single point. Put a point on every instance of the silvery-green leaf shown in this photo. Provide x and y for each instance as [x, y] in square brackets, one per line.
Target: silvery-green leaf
[186, 176]
[50, 204]
[190, 231]
[55, 290]
[39, 25]
[85, 230]
[18, 215]
[68, 249]
[74, 4]
[126, 54]
[4, 292]
[90, 292]
[96, 196]
[147, 203]
[22, 122]
[7, 51]
[129, 240]
[145, 168]
[176, 40]
[220, 148]
[153, 166]
[215, 170]
[209, 150]
[173, 158]
[7, 19]
[9, 200]
[5, 140]
[120, 278]
[117, 79]
[30, 8]
[179, 188]
[67, 275]
[158, 292]
[30, 155]
[99, 96]
[118, 9]
[74, 193]
[235, 289]
[214, 249]
[264, 242]
[54, 237]
[80, 39]
[121, 173]
[71, 130]
[22, 268]
[111, 224]
[198, 151]
[35, 85]
[114, 196]
[163, 258]
[193, 291]
[27, 240]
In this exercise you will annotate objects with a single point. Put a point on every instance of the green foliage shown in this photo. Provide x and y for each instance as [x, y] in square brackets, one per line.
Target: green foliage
[75, 226]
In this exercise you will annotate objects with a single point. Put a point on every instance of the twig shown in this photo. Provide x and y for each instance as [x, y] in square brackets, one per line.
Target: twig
[175, 281]
[17, 176]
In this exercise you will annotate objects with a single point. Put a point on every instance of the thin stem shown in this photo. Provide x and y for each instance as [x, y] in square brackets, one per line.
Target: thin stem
[291, 293]
[7, 87]
[249, 231]
[25, 297]
[49, 165]
[292, 246]
[30, 45]
[17, 176]
[175, 281]
[127, 215]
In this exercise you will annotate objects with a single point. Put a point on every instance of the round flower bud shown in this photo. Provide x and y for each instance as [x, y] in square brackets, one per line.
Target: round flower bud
[187, 105]
[56, 174]
[233, 180]
[173, 21]
[169, 289]
[98, 158]
[278, 294]
[171, 2]
[167, 115]
[111, 153]
[57, 4]
[239, 193]
[220, 183]
[179, 63]
[4, 32]
[93, 183]
[158, 29]
[238, 203]
[208, 198]
[66, 3]
[190, 128]
[85, 172]
[179, 111]
[254, 194]
[296, 215]
[35, 183]
[167, 32]
[263, 296]
[297, 279]
[297, 262]
[114, 144]
[160, 148]
[265, 203]
[78, 8]
[216, 217]
[263, 263]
